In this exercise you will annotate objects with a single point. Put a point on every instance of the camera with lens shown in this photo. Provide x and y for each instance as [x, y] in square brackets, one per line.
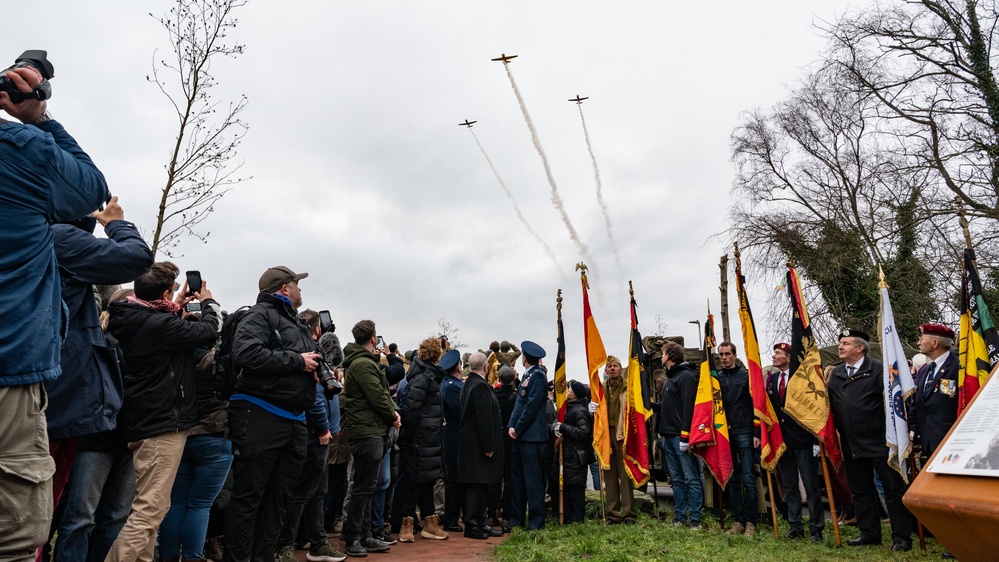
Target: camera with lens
[30, 59]
[331, 386]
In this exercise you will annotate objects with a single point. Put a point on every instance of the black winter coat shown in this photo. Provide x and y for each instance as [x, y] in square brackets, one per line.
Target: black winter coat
[480, 431]
[159, 378]
[858, 405]
[268, 347]
[577, 443]
[738, 402]
[677, 407]
[421, 454]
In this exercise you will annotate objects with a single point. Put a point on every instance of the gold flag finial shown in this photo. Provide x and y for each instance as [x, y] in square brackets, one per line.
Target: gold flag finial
[882, 284]
[631, 290]
[558, 301]
[581, 268]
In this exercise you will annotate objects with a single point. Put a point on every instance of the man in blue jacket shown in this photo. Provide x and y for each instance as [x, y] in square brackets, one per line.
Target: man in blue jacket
[45, 178]
[529, 430]
[87, 397]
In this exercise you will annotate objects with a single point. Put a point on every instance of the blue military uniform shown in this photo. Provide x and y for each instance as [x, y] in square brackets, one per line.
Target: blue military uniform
[451, 404]
[528, 420]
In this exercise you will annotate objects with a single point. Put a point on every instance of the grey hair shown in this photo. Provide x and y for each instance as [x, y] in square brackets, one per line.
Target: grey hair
[477, 361]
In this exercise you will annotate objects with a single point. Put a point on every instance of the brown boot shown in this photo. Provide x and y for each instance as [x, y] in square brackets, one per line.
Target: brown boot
[736, 529]
[432, 529]
[750, 529]
[406, 531]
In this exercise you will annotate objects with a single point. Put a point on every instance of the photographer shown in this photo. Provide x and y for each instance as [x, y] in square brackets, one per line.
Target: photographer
[45, 177]
[160, 402]
[305, 507]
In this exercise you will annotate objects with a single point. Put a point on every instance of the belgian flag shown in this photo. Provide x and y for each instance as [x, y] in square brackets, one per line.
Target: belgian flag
[979, 343]
[709, 427]
[638, 407]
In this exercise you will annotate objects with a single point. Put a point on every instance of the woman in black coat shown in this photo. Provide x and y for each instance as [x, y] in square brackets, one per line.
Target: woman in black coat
[576, 432]
[421, 454]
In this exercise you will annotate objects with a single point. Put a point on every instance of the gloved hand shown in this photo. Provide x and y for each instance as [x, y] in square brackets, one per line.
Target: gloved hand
[593, 407]
[816, 450]
[556, 427]
[684, 447]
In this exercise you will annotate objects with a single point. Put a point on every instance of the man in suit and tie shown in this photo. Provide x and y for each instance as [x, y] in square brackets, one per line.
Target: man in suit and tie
[935, 399]
[856, 394]
[800, 456]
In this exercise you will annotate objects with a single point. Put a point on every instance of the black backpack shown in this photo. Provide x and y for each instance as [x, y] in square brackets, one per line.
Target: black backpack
[225, 372]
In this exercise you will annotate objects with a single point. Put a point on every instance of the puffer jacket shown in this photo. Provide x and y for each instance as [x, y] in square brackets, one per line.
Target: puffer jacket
[577, 442]
[268, 346]
[422, 420]
[159, 379]
[677, 407]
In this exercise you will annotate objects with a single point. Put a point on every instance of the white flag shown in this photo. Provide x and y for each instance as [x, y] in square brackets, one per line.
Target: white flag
[898, 386]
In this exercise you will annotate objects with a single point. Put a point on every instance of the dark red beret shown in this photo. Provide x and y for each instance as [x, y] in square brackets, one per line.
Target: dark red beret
[936, 330]
[785, 347]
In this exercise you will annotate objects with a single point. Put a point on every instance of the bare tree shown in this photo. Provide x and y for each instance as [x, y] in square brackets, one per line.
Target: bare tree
[931, 67]
[818, 181]
[661, 325]
[446, 329]
[201, 168]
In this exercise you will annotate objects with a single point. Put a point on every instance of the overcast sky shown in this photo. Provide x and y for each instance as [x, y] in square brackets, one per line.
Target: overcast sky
[363, 178]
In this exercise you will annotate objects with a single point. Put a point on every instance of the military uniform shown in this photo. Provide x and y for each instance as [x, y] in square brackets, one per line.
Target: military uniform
[527, 477]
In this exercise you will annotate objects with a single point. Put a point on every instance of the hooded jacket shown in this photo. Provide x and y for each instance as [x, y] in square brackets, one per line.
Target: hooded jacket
[45, 178]
[368, 409]
[159, 379]
[422, 422]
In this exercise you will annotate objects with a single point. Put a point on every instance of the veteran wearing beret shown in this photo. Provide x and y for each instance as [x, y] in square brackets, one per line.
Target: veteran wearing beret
[935, 399]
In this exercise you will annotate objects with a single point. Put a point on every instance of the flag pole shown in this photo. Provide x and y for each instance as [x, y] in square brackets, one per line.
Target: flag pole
[832, 501]
[919, 524]
[561, 465]
[649, 430]
[719, 495]
[603, 511]
[773, 503]
[561, 486]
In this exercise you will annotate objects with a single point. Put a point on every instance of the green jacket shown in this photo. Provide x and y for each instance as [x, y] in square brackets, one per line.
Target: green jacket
[369, 410]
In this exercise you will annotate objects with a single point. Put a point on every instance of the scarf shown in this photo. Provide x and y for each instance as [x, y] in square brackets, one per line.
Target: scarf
[158, 304]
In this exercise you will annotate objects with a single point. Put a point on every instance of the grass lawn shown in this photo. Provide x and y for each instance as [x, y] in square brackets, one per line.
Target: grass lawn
[653, 540]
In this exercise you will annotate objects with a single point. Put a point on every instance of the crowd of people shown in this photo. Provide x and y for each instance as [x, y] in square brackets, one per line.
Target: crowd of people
[111, 413]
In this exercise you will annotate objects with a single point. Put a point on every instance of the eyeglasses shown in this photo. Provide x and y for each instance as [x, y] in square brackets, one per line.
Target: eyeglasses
[175, 287]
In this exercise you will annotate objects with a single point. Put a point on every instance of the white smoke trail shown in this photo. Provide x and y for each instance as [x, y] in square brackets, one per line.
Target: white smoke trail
[516, 207]
[555, 197]
[600, 194]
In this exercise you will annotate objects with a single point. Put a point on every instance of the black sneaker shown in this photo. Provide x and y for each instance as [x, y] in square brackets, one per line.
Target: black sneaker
[354, 548]
[383, 536]
[372, 544]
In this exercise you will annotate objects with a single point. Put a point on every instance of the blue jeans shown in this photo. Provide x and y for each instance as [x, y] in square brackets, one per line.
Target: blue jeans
[685, 472]
[202, 472]
[378, 500]
[97, 501]
[742, 486]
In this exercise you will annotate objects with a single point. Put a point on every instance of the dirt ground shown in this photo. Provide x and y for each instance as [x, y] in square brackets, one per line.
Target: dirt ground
[455, 549]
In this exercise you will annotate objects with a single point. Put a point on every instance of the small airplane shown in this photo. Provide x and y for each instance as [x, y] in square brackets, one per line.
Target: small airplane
[505, 58]
[467, 123]
[578, 100]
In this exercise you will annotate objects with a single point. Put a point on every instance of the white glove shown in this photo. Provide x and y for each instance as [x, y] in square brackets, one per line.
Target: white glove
[816, 450]
[593, 407]
[684, 447]
[556, 427]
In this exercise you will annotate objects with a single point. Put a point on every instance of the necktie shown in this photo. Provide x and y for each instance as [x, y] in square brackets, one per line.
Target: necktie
[782, 387]
[850, 370]
[928, 384]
